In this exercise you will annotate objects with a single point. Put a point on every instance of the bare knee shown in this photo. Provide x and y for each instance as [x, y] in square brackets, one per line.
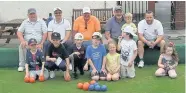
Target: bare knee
[158, 73]
[109, 78]
[96, 78]
[102, 78]
[115, 77]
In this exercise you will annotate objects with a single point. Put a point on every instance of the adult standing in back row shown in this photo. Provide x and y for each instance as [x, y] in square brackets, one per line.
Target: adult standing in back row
[86, 25]
[33, 27]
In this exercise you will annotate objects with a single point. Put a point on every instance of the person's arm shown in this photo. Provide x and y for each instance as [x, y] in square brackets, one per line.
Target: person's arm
[107, 30]
[160, 65]
[131, 60]
[104, 59]
[88, 56]
[50, 30]
[26, 65]
[119, 45]
[49, 52]
[160, 33]
[44, 30]
[43, 61]
[68, 32]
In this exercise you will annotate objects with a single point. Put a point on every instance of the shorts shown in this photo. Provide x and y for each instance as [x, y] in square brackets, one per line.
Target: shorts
[126, 71]
[100, 74]
[35, 74]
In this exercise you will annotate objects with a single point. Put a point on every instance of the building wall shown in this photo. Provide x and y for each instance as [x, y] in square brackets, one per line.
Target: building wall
[18, 9]
[180, 15]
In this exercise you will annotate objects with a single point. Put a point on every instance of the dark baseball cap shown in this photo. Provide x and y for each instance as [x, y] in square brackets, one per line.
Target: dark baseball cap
[31, 10]
[32, 41]
[117, 8]
[56, 36]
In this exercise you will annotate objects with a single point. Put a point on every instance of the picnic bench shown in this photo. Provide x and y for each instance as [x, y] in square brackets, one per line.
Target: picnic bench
[8, 29]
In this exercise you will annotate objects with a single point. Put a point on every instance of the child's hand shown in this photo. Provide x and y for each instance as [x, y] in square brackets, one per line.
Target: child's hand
[85, 67]
[41, 74]
[77, 53]
[119, 38]
[130, 64]
[27, 75]
[94, 71]
[53, 59]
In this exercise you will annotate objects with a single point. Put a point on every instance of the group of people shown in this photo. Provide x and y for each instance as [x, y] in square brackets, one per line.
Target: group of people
[44, 49]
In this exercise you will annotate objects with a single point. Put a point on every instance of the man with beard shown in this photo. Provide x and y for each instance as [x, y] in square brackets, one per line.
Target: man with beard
[114, 24]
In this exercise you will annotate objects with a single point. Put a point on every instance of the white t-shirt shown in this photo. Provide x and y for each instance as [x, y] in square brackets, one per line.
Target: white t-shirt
[150, 32]
[61, 27]
[127, 50]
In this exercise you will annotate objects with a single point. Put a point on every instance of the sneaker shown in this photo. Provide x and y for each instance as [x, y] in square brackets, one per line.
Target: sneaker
[70, 66]
[141, 64]
[21, 69]
[52, 74]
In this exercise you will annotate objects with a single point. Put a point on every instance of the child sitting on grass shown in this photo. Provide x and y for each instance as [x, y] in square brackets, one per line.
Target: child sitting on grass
[128, 49]
[168, 61]
[35, 63]
[113, 62]
[96, 57]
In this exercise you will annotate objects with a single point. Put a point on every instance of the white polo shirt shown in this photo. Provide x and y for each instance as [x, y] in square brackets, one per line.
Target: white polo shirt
[150, 32]
[61, 27]
[33, 29]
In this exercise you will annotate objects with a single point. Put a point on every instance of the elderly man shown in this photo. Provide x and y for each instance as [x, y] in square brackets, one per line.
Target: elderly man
[86, 25]
[32, 27]
[60, 25]
[150, 34]
[114, 24]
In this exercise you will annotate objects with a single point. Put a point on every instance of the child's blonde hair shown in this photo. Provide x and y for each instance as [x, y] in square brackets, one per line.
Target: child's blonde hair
[128, 15]
[174, 54]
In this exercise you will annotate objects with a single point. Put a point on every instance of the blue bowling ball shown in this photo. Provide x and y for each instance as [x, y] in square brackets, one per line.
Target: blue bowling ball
[103, 88]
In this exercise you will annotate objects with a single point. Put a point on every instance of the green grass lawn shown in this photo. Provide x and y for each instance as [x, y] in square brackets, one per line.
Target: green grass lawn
[11, 81]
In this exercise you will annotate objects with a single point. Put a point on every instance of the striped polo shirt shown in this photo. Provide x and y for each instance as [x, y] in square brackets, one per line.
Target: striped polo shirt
[33, 29]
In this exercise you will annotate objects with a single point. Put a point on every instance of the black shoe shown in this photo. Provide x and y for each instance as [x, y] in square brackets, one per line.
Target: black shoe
[75, 76]
[82, 73]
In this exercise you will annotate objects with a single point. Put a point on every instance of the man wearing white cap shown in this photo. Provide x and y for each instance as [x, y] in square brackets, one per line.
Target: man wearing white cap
[60, 25]
[86, 25]
[128, 49]
[32, 27]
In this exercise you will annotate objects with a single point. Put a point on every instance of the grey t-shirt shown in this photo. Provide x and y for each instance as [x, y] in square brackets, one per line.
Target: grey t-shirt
[33, 29]
[114, 27]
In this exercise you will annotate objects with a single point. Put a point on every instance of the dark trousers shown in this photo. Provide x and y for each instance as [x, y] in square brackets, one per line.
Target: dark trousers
[79, 64]
[51, 66]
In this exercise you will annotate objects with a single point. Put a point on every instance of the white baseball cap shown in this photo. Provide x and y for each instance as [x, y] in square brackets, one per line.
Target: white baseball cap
[79, 36]
[97, 34]
[57, 8]
[130, 30]
[86, 10]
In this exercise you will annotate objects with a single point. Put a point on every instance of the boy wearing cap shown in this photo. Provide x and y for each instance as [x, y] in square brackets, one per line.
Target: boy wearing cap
[96, 57]
[35, 62]
[78, 54]
[128, 52]
[57, 57]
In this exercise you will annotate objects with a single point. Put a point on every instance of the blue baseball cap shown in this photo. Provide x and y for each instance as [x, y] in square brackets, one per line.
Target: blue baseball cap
[32, 41]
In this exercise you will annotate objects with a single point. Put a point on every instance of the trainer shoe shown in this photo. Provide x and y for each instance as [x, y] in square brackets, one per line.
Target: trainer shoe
[70, 66]
[21, 69]
[141, 64]
[52, 74]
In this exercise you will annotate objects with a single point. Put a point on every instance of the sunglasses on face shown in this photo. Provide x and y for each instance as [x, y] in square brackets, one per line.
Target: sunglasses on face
[57, 13]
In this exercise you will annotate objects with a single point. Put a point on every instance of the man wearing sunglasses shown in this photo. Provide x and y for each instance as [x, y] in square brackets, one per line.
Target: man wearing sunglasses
[86, 25]
[60, 25]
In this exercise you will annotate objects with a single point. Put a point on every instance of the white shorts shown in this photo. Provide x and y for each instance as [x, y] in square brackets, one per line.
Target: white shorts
[126, 71]
[34, 73]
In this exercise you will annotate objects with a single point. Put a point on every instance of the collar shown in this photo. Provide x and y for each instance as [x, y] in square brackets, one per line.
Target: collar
[62, 21]
[28, 20]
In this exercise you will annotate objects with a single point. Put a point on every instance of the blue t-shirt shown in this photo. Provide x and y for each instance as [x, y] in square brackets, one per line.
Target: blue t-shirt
[96, 55]
[34, 61]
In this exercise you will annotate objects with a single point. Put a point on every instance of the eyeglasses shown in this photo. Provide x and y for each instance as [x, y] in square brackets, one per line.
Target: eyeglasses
[57, 13]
